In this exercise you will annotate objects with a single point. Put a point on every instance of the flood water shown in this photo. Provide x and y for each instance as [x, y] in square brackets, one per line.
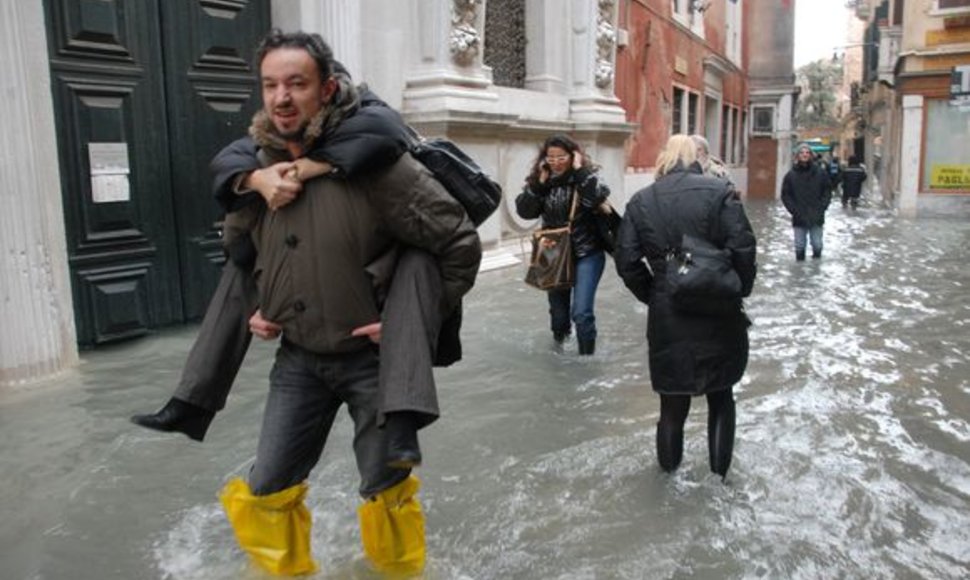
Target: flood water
[852, 456]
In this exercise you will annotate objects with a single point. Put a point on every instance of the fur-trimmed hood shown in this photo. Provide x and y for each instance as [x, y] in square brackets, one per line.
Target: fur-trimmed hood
[345, 103]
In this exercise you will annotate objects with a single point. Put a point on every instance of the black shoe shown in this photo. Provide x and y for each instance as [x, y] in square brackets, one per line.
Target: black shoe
[587, 346]
[560, 336]
[401, 430]
[179, 416]
[817, 255]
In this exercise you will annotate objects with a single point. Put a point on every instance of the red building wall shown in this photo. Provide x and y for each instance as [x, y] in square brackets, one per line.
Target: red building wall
[660, 53]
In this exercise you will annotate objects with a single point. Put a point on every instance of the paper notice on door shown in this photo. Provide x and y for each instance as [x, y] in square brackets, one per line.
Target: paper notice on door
[109, 172]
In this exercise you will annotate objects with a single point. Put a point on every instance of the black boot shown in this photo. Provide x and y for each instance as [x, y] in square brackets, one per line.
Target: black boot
[560, 336]
[401, 430]
[816, 254]
[800, 256]
[587, 347]
[179, 416]
[670, 447]
[720, 438]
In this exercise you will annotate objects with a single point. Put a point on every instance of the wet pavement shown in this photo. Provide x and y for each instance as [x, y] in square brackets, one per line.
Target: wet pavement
[852, 455]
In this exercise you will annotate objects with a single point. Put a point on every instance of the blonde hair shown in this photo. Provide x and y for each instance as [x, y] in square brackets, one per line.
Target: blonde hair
[680, 149]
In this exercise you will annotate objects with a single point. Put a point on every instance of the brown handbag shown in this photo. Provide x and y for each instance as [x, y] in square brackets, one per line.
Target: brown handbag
[552, 266]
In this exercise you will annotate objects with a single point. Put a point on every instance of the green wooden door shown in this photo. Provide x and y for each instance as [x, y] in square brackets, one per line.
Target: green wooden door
[145, 92]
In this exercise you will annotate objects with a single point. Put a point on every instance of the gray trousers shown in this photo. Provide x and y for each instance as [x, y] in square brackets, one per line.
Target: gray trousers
[222, 342]
[306, 391]
[411, 318]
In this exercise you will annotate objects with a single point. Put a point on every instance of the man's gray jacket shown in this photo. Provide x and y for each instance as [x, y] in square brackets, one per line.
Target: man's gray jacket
[323, 259]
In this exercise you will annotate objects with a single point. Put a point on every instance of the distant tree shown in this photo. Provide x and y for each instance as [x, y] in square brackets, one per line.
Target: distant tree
[817, 103]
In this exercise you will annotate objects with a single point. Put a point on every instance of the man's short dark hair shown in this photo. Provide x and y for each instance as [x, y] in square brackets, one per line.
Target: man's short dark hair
[311, 42]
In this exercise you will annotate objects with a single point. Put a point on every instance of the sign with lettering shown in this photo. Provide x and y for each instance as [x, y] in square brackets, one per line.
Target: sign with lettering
[955, 177]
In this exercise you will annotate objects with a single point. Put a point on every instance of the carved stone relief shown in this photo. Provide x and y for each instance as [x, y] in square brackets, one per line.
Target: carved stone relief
[605, 41]
[465, 41]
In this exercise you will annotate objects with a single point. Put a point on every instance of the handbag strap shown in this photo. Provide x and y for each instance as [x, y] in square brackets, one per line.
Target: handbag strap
[572, 210]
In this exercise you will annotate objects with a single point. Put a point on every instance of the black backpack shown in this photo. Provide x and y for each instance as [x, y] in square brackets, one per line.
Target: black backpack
[460, 175]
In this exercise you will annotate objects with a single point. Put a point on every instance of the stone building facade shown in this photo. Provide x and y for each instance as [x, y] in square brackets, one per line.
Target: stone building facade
[772, 93]
[683, 68]
[916, 103]
[110, 231]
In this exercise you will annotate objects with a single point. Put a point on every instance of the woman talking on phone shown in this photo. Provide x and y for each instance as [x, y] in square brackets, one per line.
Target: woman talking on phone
[560, 172]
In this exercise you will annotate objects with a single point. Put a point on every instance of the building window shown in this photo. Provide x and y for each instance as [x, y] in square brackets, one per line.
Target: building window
[692, 101]
[946, 151]
[725, 139]
[677, 120]
[683, 12]
[685, 112]
[713, 122]
[680, 8]
[743, 139]
[763, 120]
[949, 4]
[505, 42]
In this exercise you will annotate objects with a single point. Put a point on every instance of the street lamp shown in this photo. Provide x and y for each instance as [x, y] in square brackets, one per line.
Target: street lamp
[835, 49]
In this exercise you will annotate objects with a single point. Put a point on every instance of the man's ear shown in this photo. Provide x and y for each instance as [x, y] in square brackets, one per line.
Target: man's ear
[329, 89]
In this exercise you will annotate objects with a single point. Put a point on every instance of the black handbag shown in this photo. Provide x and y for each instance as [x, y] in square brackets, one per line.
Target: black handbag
[608, 226]
[551, 265]
[700, 278]
[460, 175]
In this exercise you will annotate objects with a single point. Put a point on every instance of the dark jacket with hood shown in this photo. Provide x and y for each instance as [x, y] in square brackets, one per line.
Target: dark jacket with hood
[552, 201]
[806, 192]
[689, 354]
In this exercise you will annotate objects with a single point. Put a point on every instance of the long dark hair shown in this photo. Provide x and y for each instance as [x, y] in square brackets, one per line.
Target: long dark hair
[564, 142]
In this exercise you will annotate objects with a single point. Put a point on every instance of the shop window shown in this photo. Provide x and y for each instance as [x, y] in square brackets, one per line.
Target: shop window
[946, 149]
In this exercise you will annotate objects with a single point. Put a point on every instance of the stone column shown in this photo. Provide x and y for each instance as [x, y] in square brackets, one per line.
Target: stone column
[446, 72]
[37, 336]
[592, 62]
[910, 155]
[337, 21]
[547, 30]
[785, 136]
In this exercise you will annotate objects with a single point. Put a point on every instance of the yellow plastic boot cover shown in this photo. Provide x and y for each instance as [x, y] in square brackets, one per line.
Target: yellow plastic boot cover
[273, 529]
[392, 529]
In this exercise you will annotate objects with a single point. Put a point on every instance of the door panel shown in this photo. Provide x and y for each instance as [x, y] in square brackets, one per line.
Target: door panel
[208, 48]
[106, 76]
[145, 93]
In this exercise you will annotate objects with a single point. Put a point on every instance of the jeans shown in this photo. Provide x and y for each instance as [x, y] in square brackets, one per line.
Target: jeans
[814, 233]
[589, 270]
[306, 391]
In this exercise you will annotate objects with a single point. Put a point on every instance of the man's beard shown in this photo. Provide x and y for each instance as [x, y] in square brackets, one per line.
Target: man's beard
[295, 136]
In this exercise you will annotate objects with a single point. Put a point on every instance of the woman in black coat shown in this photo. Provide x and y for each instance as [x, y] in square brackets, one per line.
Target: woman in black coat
[690, 354]
[560, 174]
